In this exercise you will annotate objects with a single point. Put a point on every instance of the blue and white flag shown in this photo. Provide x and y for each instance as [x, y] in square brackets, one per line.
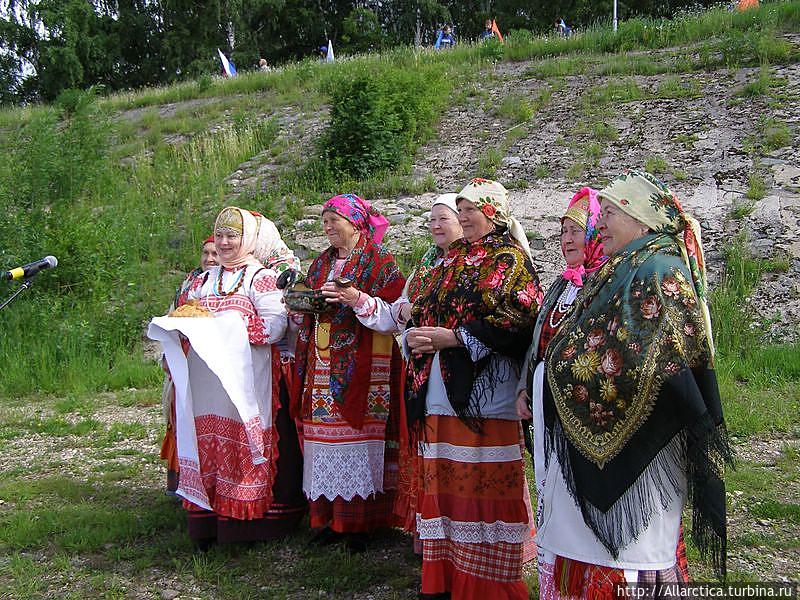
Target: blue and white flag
[227, 66]
[329, 57]
[439, 40]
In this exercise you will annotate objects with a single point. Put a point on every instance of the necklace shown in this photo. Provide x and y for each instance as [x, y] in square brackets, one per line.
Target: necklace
[218, 291]
[324, 363]
[562, 306]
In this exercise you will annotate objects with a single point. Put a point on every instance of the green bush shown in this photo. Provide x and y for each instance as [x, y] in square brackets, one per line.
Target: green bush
[378, 116]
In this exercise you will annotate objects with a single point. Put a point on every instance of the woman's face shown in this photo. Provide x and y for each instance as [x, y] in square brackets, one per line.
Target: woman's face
[339, 230]
[444, 226]
[617, 228]
[228, 244]
[573, 237]
[473, 221]
[208, 258]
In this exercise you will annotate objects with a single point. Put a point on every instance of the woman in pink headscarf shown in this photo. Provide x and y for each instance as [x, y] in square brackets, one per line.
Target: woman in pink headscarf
[347, 382]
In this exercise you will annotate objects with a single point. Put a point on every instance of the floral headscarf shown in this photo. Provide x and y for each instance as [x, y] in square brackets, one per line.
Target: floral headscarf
[491, 198]
[270, 248]
[236, 220]
[645, 198]
[360, 213]
[584, 209]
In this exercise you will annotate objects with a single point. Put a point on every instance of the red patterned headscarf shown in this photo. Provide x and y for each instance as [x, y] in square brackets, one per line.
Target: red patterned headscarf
[360, 213]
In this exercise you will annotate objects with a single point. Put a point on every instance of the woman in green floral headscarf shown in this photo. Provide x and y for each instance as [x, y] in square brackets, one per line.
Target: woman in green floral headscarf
[632, 416]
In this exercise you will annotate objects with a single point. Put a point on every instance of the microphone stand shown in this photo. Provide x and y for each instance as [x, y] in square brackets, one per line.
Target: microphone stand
[26, 284]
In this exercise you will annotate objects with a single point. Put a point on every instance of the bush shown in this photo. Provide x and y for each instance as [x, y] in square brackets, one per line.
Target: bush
[378, 116]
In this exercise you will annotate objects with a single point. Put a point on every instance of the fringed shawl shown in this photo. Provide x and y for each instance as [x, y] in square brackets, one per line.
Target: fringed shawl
[490, 288]
[373, 270]
[631, 399]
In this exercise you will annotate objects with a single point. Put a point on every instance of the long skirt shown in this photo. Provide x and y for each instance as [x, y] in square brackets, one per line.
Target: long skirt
[471, 512]
[350, 475]
[288, 505]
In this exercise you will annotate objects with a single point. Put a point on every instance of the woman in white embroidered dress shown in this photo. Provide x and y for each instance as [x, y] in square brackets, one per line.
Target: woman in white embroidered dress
[239, 492]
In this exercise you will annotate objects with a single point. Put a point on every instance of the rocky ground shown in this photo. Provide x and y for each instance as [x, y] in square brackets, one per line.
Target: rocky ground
[696, 130]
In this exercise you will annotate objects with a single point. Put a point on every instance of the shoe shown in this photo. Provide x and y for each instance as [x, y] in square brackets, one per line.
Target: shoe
[204, 545]
[325, 537]
[356, 543]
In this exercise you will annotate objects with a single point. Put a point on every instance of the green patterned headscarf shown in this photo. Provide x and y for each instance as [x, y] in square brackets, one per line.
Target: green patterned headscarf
[645, 198]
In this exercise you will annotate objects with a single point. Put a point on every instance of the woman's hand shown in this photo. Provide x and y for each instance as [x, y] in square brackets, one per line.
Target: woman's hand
[522, 406]
[428, 340]
[346, 295]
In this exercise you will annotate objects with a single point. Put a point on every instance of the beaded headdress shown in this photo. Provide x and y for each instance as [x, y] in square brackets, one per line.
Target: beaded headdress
[230, 220]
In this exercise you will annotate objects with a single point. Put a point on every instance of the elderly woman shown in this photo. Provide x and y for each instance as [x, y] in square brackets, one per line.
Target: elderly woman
[169, 449]
[227, 394]
[471, 326]
[348, 382]
[630, 409]
[391, 317]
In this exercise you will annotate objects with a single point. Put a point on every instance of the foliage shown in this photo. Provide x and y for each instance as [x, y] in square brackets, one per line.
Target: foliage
[378, 115]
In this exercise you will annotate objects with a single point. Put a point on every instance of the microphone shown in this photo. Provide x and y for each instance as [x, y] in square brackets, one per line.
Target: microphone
[31, 269]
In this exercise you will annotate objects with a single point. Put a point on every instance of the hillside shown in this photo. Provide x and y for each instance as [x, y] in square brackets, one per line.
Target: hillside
[123, 188]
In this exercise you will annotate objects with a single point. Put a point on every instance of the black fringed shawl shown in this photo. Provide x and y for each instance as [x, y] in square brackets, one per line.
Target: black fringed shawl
[488, 287]
[631, 399]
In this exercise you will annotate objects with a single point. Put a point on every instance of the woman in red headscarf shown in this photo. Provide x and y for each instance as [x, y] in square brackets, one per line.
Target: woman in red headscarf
[348, 382]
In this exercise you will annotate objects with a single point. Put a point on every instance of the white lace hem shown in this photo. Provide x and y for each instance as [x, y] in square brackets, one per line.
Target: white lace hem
[472, 532]
[345, 470]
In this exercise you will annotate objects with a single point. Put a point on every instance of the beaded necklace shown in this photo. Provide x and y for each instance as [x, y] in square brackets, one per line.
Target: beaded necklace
[218, 291]
[562, 306]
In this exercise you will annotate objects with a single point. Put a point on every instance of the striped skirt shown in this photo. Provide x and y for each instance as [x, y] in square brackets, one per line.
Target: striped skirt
[471, 512]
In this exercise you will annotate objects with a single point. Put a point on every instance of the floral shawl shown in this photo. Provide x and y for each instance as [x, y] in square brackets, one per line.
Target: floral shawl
[630, 399]
[374, 271]
[418, 280]
[489, 288]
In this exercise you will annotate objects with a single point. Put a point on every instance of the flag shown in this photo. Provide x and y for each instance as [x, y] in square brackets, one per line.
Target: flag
[330, 58]
[227, 66]
[439, 39]
[496, 31]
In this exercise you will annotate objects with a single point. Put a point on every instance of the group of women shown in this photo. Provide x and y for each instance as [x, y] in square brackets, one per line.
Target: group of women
[409, 402]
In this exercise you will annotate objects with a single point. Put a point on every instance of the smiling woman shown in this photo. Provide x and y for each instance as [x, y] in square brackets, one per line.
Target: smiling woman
[626, 407]
[347, 390]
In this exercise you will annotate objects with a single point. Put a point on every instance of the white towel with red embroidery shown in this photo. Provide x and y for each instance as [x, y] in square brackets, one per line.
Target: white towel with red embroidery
[220, 358]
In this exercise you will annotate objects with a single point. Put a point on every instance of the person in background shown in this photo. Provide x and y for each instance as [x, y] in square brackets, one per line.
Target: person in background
[263, 66]
[562, 29]
[487, 32]
[446, 39]
[169, 450]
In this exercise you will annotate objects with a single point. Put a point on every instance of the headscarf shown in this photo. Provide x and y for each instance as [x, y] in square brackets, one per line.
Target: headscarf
[645, 198]
[448, 200]
[491, 198]
[584, 209]
[419, 277]
[208, 240]
[360, 213]
[270, 248]
[237, 220]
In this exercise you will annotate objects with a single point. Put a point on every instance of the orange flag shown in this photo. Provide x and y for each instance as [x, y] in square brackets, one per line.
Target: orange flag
[747, 5]
[496, 31]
